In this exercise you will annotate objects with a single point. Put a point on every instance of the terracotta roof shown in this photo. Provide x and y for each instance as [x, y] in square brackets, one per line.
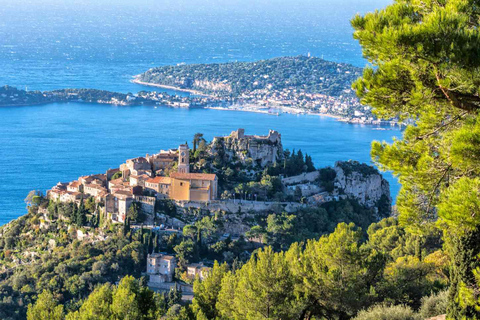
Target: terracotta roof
[123, 193]
[138, 160]
[74, 184]
[193, 176]
[164, 180]
[117, 181]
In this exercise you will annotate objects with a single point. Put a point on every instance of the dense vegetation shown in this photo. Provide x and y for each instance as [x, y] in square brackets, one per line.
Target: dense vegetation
[314, 75]
[11, 96]
[425, 58]
[333, 278]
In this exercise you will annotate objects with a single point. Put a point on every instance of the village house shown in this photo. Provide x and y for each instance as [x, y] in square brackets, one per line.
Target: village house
[75, 186]
[160, 186]
[138, 180]
[161, 267]
[94, 190]
[135, 166]
[98, 179]
[68, 196]
[197, 269]
[162, 160]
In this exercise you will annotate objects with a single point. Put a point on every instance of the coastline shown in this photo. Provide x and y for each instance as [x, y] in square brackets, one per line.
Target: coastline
[281, 110]
[149, 84]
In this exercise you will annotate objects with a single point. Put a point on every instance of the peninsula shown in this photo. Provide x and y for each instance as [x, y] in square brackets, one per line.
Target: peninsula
[300, 84]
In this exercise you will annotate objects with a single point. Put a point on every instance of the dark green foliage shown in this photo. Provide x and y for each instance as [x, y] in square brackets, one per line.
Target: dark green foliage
[326, 178]
[117, 175]
[311, 74]
[70, 272]
[282, 229]
[464, 252]
[434, 305]
[135, 212]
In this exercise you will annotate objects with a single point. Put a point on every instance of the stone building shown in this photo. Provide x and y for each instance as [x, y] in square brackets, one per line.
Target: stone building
[197, 269]
[160, 186]
[147, 204]
[135, 166]
[161, 267]
[162, 160]
[183, 159]
[263, 150]
[193, 186]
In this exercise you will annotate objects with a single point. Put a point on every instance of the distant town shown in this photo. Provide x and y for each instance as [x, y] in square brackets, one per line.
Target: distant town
[298, 85]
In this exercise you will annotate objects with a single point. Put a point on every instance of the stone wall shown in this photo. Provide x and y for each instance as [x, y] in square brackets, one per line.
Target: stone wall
[245, 206]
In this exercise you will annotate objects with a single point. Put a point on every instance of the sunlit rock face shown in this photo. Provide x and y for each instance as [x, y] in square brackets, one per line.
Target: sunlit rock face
[263, 150]
[362, 182]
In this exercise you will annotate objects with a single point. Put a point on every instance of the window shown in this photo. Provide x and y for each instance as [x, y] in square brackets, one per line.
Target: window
[181, 184]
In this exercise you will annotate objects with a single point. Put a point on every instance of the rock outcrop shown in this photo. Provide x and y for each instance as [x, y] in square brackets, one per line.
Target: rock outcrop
[363, 183]
[263, 150]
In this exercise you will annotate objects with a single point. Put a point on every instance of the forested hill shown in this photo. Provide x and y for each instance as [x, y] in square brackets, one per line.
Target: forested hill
[314, 75]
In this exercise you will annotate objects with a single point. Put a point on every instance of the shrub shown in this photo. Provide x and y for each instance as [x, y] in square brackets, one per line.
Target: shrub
[385, 312]
[434, 305]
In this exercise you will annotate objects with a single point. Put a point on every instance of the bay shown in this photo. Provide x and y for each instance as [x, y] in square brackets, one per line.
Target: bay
[42, 145]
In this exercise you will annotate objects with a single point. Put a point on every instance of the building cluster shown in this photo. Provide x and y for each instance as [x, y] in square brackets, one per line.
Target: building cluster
[161, 268]
[144, 180]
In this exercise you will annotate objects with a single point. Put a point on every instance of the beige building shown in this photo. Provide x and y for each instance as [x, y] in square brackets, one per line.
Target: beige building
[138, 180]
[161, 267]
[75, 186]
[159, 185]
[197, 269]
[162, 160]
[94, 189]
[193, 186]
[136, 166]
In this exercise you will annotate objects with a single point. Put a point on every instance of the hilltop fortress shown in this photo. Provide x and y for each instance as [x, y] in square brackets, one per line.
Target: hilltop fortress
[263, 150]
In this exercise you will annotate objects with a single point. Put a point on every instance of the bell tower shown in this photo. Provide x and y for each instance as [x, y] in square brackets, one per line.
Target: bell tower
[183, 159]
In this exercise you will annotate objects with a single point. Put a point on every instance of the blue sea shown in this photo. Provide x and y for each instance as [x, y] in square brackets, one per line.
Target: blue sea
[51, 44]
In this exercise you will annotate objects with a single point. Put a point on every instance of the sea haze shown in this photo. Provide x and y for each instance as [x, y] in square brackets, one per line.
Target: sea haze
[100, 44]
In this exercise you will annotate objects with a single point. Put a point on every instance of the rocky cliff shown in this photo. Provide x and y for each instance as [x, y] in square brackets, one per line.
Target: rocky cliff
[263, 150]
[362, 182]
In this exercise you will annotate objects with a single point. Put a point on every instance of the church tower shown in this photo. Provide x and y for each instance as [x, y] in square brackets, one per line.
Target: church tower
[183, 159]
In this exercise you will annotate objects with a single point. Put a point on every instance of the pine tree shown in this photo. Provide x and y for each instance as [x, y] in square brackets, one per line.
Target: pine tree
[425, 59]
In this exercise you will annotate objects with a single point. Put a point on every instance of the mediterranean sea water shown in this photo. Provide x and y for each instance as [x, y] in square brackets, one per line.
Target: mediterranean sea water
[51, 44]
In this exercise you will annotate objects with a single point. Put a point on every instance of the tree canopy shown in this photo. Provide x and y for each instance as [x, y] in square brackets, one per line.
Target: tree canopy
[425, 58]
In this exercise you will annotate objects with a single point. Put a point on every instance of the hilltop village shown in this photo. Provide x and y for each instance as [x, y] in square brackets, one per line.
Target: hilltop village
[167, 217]
[139, 190]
